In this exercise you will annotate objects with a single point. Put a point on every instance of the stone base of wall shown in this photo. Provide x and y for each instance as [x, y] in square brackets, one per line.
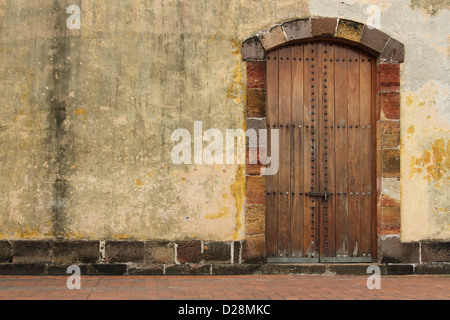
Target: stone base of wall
[392, 250]
[118, 258]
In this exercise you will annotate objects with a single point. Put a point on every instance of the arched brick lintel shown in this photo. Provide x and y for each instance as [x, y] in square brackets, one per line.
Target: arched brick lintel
[373, 40]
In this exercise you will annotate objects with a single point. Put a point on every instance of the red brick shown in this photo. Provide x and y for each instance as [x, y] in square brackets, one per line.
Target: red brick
[254, 249]
[255, 220]
[389, 77]
[389, 221]
[256, 103]
[386, 201]
[390, 163]
[189, 251]
[256, 190]
[253, 169]
[390, 105]
[390, 134]
[256, 75]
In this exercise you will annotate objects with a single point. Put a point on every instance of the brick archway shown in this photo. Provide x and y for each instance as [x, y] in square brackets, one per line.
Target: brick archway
[390, 53]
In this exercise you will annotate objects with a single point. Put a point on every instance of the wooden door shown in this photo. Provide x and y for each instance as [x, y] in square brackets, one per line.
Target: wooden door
[320, 205]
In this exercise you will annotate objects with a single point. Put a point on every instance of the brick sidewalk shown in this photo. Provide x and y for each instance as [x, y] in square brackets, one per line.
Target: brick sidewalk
[226, 288]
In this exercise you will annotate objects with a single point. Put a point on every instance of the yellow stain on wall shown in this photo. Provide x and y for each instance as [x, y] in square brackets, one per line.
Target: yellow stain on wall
[435, 162]
[236, 89]
[82, 112]
[224, 212]
[139, 183]
[238, 192]
[27, 233]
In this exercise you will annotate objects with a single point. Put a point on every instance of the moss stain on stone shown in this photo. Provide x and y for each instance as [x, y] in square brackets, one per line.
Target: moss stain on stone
[432, 7]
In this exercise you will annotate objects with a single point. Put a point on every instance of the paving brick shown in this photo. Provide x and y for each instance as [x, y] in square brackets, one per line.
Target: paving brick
[229, 287]
[124, 251]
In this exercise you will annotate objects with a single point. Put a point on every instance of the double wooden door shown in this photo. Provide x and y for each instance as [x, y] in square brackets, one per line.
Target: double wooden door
[320, 205]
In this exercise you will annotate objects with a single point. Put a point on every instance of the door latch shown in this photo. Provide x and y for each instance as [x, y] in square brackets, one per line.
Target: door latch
[325, 195]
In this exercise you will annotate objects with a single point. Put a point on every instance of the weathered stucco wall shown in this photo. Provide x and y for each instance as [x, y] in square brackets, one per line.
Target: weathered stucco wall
[87, 115]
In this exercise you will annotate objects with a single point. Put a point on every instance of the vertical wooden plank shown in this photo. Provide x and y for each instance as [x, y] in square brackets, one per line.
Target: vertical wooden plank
[297, 153]
[366, 153]
[354, 154]
[341, 112]
[327, 168]
[309, 101]
[272, 181]
[374, 157]
[284, 181]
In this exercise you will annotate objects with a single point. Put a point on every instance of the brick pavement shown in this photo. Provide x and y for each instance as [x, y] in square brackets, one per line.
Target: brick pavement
[290, 287]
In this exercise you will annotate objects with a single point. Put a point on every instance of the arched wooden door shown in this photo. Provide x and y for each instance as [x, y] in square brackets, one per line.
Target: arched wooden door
[321, 205]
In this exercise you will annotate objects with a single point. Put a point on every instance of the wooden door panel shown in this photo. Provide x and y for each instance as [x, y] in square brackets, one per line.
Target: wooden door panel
[284, 180]
[297, 154]
[354, 171]
[320, 96]
[328, 162]
[272, 180]
[341, 151]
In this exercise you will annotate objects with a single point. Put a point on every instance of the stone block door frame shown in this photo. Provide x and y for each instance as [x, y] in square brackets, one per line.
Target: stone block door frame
[390, 54]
